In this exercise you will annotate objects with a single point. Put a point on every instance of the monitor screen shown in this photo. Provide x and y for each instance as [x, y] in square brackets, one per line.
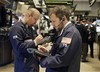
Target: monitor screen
[59, 2]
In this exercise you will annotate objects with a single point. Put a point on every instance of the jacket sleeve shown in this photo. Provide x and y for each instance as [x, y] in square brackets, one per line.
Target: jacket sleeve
[65, 55]
[16, 36]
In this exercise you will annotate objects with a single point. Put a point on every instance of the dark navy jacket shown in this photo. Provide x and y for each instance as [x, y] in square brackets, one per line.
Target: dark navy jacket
[22, 38]
[65, 57]
[83, 31]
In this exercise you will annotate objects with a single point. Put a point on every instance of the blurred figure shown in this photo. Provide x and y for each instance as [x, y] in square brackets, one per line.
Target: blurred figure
[15, 19]
[66, 49]
[84, 34]
[22, 37]
[91, 39]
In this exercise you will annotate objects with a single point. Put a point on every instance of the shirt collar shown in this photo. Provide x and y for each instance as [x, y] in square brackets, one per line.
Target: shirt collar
[64, 27]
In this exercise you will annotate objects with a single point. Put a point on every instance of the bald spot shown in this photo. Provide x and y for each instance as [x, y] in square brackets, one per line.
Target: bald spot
[33, 12]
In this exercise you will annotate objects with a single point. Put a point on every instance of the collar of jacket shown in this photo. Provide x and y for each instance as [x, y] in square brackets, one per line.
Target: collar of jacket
[64, 27]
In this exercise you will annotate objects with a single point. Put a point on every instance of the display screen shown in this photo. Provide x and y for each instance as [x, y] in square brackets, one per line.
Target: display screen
[58, 2]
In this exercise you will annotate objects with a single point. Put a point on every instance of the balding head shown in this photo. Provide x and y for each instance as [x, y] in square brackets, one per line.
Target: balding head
[31, 16]
[33, 12]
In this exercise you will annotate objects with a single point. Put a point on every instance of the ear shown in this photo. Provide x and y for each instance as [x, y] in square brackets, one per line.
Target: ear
[63, 19]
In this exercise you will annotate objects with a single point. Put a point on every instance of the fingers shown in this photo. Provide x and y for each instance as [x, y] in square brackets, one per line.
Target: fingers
[42, 49]
[38, 39]
[45, 45]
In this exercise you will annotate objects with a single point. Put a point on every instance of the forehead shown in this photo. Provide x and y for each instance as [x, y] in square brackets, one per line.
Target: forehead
[36, 15]
[33, 12]
[53, 16]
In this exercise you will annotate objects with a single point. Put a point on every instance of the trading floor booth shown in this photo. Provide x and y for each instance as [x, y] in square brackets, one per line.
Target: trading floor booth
[5, 49]
[5, 46]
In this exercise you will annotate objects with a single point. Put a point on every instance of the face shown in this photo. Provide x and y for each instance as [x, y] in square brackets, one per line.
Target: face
[56, 22]
[33, 20]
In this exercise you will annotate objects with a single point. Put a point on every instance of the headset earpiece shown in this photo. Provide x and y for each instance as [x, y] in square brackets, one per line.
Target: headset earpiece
[61, 22]
[63, 19]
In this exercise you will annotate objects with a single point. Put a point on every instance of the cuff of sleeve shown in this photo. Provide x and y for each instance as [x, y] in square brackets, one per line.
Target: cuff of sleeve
[35, 43]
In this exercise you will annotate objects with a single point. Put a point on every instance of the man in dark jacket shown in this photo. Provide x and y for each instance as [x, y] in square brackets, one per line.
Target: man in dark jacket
[84, 34]
[91, 39]
[66, 49]
[23, 37]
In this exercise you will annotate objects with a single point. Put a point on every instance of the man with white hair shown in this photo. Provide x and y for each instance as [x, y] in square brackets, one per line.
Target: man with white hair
[23, 37]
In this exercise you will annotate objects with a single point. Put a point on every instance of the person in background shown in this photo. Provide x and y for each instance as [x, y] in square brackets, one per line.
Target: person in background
[84, 34]
[23, 37]
[65, 53]
[91, 39]
[15, 19]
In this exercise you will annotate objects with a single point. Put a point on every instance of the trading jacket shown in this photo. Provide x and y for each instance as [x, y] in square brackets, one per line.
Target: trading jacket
[21, 38]
[83, 31]
[65, 52]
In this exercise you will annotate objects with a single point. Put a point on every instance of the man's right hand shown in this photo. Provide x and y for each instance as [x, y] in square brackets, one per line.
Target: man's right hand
[38, 39]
